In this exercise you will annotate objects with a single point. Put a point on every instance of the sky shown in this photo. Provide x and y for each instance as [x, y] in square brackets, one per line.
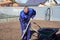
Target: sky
[24, 1]
[21, 1]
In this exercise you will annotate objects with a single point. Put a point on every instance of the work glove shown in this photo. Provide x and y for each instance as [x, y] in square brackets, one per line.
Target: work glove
[31, 18]
[24, 31]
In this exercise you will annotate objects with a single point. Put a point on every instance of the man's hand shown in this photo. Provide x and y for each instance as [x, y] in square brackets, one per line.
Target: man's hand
[30, 19]
[24, 31]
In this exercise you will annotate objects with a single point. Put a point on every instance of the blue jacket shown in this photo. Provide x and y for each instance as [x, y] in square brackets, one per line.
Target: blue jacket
[26, 17]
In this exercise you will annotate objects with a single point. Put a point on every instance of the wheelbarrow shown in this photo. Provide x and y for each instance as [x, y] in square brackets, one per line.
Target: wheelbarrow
[45, 33]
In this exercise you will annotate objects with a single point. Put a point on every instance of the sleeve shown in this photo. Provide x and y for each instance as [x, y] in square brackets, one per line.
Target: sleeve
[20, 17]
[33, 14]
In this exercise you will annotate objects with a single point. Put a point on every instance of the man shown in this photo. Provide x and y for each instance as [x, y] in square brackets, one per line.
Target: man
[25, 16]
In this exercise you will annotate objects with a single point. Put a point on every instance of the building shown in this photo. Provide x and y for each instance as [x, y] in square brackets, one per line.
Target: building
[8, 3]
[15, 4]
[53, 2]
[5, 3]
[39, 3]
[33, 3]
[49, 3]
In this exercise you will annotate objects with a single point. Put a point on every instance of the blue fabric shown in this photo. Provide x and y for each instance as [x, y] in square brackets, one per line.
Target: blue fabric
[24, 19]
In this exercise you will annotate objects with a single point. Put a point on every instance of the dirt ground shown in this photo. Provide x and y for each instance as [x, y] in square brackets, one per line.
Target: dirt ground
[12, 31]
